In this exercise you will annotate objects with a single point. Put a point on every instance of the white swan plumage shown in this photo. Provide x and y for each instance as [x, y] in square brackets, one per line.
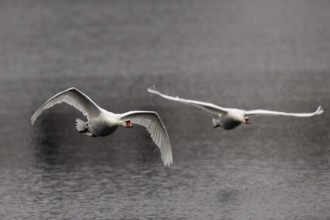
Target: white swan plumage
[230, 118]
[102, 122]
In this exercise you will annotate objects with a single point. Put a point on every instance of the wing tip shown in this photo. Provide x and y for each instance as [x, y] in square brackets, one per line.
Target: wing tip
[153, 89]
[33, 118]
[168, 161]
[167, 157]
[319, 110]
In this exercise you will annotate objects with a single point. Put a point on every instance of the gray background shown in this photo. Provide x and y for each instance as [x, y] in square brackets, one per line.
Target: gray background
[245, 53]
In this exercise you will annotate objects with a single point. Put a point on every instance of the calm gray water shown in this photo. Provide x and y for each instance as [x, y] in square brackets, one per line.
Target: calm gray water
[247, 54]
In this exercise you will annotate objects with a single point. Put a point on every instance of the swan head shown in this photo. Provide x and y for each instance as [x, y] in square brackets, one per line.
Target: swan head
[128, 124]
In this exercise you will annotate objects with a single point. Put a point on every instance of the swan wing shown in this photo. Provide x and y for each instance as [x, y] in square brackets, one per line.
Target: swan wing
[73, 97]
[202, 105]
[260, 112]
[152, 122]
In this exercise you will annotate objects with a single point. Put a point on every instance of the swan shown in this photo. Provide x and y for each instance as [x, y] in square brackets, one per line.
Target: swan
[101, 122]
[230, 118]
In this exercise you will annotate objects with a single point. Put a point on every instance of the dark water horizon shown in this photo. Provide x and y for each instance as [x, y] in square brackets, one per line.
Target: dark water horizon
[245, 54]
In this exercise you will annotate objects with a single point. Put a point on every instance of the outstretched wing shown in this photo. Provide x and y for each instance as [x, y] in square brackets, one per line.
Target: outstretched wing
[275, 113]
[73, 97]
[202, 105]
[152, 122]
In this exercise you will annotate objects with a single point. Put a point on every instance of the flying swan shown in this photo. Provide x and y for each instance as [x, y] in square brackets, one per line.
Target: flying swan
[102, 123]
[230, 118]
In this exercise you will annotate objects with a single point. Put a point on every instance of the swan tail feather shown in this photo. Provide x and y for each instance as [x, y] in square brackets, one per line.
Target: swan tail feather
[216, 123]
[81, 126]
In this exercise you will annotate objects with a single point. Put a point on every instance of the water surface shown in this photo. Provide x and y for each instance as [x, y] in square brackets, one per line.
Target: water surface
[246, 54]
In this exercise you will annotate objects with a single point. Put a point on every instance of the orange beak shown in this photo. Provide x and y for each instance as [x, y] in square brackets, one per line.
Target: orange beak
[129, 124]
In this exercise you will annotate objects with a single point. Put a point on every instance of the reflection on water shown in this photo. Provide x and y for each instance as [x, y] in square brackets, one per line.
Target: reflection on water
[226, 52]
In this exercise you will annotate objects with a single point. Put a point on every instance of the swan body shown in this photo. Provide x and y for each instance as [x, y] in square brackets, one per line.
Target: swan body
[101, 122]
[230, 118]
